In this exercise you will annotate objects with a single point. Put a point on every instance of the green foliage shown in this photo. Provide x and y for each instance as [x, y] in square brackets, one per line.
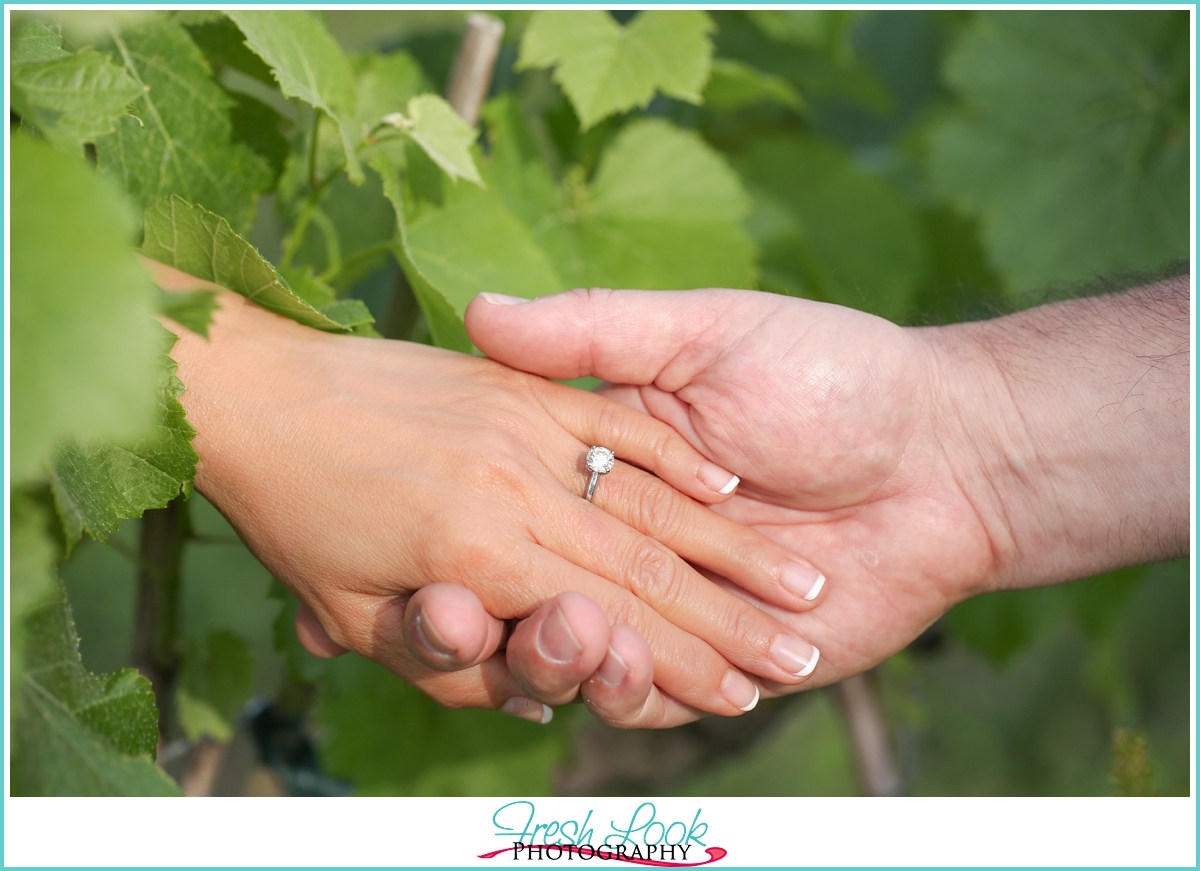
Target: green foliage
[735, 85]
[194, 240]
[83, 362]
[605, 68]
[388, 738]
[70, 98]
[193, 309]
[33, 583]
[180, 143]
[444, 136]
[216, 681]
[816, 210]
[98, 484]
[1073, 150]
[308, 65]
[77, 733]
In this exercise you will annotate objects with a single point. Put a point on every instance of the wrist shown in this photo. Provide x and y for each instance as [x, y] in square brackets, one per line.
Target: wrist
[252, 362]
[1067, 427]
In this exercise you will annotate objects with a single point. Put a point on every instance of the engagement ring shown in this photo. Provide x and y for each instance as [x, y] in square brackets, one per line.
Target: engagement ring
[599, 462]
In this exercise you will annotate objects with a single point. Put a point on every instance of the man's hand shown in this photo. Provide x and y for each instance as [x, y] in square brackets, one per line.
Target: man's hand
[914, 467]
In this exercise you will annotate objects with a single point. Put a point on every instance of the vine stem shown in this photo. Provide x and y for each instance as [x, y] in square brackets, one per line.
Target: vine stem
[156, 643]
[870, 734]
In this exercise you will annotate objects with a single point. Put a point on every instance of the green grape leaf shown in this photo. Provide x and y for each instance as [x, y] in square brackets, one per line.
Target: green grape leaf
[605, 68]
[82, 362]
[736, 85]
[308, 65]
[181, 142]
[78, 733]
[259, 127]
[387, 738]
[445, 324]
[441, 133]
[194, 240]
[34, 560]
[385, 83]
[74, 99]
[98, 484]
[193, 310]
[217, 680]
[33, 41]
[662, 213]
[349, 313]
[1072, 144]
[831, 230]
[308, 287]
[223, 45]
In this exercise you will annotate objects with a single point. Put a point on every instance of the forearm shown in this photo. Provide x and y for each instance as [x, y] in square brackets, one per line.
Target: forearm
[1068, 424]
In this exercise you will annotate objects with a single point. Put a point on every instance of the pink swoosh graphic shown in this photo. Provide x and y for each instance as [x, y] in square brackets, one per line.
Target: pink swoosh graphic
[714, 854]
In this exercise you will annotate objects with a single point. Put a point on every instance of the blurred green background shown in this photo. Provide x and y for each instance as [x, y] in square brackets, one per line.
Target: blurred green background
[930, 166]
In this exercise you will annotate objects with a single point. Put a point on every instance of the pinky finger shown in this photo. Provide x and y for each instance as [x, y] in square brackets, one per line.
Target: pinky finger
[312, 635]
[622, 693]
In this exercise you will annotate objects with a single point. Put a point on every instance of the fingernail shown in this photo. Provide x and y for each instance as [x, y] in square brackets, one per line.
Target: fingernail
[793, 655]
[431, 638]
[502, 299]
[717, 479]
[556, 641]
[739, 691]
[613, 670]
[804, 581]
[528, 709]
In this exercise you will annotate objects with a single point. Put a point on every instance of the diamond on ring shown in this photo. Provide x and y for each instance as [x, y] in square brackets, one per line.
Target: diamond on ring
[599, 462]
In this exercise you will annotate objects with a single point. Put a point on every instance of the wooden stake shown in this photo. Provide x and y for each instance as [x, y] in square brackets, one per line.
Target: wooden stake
[471, 75]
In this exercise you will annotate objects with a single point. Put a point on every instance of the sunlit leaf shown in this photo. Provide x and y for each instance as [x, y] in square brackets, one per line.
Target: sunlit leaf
[195, 241]
[605, 68]
[308, 65]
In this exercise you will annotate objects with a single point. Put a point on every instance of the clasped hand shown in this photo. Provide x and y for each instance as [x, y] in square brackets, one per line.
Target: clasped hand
[415, 500]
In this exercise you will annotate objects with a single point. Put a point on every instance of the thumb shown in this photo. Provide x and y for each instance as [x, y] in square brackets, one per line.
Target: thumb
[623, 336]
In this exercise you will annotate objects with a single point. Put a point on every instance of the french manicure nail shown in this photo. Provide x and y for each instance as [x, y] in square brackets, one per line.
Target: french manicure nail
[528, 709]
[794, 656]
[613, 670]
[429, 636]
[802, 580]
[717, 479]
[739, 690]
[502, 299]
[555, 639]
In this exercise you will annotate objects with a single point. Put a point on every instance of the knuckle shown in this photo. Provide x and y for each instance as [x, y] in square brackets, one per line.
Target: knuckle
[741, 622]
[658, 576]
[466, 548]
[658, 510]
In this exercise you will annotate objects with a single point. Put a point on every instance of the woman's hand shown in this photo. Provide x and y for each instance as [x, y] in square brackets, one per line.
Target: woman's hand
[361, 470]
